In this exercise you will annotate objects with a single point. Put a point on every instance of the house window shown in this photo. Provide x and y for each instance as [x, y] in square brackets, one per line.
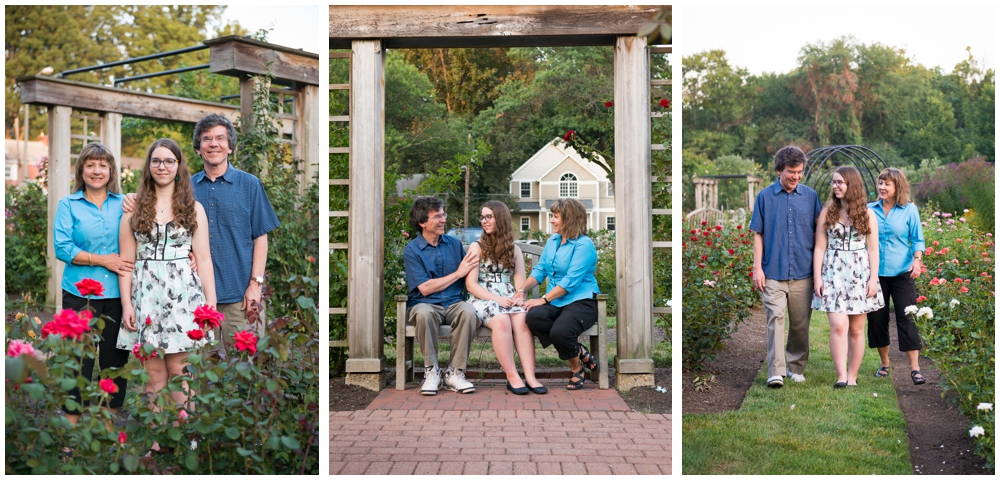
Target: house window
[609, 223]
[525, 224]
[525, 189]
[10, 172]
[568, 186]
[611, 188]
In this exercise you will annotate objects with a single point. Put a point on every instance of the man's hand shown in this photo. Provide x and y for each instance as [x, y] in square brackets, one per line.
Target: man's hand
[470, 262]
[758, 279]
[128, 203]
[253, 294]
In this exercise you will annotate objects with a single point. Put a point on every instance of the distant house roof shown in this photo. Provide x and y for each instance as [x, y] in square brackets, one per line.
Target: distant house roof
[566, 152]
[529, 206]
[587, 203]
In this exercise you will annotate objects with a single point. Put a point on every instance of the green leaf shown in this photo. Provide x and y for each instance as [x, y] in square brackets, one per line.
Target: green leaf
[291, 442]
[233, 433]
[194, 358]
[45, 437]
[95, 446]
[114, 468]
[174, 433]
[243, 368]
[244, 452]
[14, 369]
[67, 383]
[131, 462]
[191, 462]
[271, 384]
[212, 377]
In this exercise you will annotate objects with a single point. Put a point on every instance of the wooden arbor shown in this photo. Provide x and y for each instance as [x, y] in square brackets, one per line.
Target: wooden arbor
[369, 30]
[234, 56]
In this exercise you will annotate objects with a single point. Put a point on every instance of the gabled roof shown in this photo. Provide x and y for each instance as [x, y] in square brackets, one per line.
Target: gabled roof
[568, 152]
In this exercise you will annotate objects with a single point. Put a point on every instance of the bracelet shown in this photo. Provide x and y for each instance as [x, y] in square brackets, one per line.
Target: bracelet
[90, 258]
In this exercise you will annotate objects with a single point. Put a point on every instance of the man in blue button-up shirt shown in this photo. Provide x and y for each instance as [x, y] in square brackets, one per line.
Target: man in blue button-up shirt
[784, 223]
[436, 266]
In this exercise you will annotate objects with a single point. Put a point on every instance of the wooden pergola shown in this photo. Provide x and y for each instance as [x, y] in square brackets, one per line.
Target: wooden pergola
[369, 30]
[234, 56]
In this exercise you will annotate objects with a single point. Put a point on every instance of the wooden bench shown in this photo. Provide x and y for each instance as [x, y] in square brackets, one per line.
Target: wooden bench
[406, 334]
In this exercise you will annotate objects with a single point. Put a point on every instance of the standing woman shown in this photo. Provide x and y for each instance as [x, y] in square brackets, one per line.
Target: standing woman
[569, 307]
[843, 284]
[166, 226]
[901, 244]
[85, 233]
[491, 290]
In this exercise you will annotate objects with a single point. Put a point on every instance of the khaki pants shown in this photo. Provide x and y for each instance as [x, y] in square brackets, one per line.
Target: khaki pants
[235, 320]
[464, 323]
[796, 296]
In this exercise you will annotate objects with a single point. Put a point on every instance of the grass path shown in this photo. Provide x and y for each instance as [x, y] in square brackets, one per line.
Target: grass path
[804, 428]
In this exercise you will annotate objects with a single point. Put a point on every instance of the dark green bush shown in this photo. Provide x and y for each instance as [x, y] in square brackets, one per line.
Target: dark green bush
[25, 239]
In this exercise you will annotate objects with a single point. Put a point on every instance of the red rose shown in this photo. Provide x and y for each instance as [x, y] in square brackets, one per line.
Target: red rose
[965, 290]
[708, 243]
[731, 251]
[609, 104]
[89, 286]
[108, 385]
[68, 324]
[665, 103]
[704, 223]
[149, 321]
[704, 257]
[718, 227]
[921, 298]
[568, 135]
[196, 334]
[207, 317]
[122, 437]
[739, 227]
[245, 340]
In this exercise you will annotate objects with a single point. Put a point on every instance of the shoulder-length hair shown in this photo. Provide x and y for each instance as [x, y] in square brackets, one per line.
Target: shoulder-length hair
[182, 201]
[854, 200]
[898, 180]
[96, 151]
[498, 247]
[574, 217]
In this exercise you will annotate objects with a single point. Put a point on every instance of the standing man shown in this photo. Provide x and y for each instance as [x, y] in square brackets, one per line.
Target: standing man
[784, 223]
[239, 218]
[436, 266]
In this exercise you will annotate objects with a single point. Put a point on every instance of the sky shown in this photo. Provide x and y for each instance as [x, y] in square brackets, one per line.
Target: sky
[769, 38]
[293, 26]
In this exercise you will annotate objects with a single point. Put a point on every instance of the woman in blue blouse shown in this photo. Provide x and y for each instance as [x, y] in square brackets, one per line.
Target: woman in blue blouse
[85, 233]
[569, 307]
[901, 244]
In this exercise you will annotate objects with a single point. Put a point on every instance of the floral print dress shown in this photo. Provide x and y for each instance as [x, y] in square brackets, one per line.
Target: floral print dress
[496, 280]
[845, 274]
[166, 290]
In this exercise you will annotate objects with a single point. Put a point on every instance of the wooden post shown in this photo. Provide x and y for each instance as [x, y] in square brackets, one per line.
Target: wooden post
[309, 141]
[58, 187]
[248, 85]
[366, 364]
[632, 202]
[111, 137]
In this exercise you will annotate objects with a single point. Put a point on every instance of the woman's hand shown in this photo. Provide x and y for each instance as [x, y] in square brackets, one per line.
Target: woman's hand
[117, 264]
[872, 288]
[504, 302]
[128, 318]
[917, 269]
[818, 287]
[534, 302]
[518, 297]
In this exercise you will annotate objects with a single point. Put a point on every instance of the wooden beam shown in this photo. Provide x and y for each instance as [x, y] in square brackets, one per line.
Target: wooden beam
[238, 55]
[40, 90]
[111, 137]
[366, 219]
[309, 122]
[412, 26]
[59, 185]
[634, 249]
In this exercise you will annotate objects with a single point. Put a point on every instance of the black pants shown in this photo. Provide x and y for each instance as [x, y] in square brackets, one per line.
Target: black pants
[903, 292]
[109, 356]
[561, 326]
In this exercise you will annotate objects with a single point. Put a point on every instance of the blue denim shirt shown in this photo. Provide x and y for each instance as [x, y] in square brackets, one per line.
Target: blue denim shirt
[570, 266]
[79, 226]
[238, 212]
[899, 236]
[788, 223]
[424, 262]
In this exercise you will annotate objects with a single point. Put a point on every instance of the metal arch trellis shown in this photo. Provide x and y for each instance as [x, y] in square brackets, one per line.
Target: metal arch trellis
[821, 163]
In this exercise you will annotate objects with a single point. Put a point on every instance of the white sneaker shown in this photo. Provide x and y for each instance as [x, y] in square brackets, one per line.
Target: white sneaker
[796, 377]
[432, 381]
[775, 382]
[455, 381]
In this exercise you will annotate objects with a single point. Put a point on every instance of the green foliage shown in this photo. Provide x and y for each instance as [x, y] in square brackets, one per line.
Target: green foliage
[252, 414]
[25, 268]
[718, 288]
[960, 337]
[956, 187]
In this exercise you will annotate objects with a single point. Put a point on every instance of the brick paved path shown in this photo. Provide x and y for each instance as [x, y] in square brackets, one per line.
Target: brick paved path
[494, 432]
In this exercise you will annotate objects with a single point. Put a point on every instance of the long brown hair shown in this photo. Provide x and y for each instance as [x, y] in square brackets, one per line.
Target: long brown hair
[182, 200]
[96, 151]
[498, 247]
[574, 217]
[898, 180]
[854, 196]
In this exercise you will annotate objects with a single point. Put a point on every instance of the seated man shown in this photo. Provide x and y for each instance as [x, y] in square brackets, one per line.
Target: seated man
[436, 266]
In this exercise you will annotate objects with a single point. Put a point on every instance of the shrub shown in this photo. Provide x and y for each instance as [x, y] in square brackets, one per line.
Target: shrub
[960, 336]
[25, 267]
[718, 288]
[958, 186]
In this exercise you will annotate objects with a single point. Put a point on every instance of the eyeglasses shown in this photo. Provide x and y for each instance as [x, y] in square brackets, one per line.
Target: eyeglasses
[483, 218]
[208, 140]
[441, 216]
[158, 162]
[838, 183]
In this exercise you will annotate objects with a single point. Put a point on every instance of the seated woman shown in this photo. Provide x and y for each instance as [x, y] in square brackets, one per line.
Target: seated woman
[569, 307]
[491, 294]
[166, 226]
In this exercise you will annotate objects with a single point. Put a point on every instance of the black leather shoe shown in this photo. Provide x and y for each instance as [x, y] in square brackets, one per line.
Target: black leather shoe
[517, 391]
[539, 390]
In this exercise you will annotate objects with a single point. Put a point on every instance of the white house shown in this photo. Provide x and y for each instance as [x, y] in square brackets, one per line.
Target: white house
[557, 171]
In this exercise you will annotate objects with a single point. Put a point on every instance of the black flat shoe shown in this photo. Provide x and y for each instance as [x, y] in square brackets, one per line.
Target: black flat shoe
[840, 385]
[539, 390]
[517, 391]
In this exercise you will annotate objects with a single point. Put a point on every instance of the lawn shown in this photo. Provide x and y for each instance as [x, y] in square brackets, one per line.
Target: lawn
[804, 428]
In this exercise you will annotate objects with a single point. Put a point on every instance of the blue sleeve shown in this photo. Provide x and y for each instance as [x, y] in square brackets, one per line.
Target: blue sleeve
[544, 266]
[262, 217]
[916, 233]
[416, 275]
[582, 264]
[757, 218]
[818, 206]
[62, 233]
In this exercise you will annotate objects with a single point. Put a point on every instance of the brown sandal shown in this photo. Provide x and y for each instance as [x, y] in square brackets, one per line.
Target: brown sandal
[917, 377]
[576, 381]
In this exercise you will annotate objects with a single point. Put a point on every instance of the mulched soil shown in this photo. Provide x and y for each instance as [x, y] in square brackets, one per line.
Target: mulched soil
[647, 399]
[937, 431]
